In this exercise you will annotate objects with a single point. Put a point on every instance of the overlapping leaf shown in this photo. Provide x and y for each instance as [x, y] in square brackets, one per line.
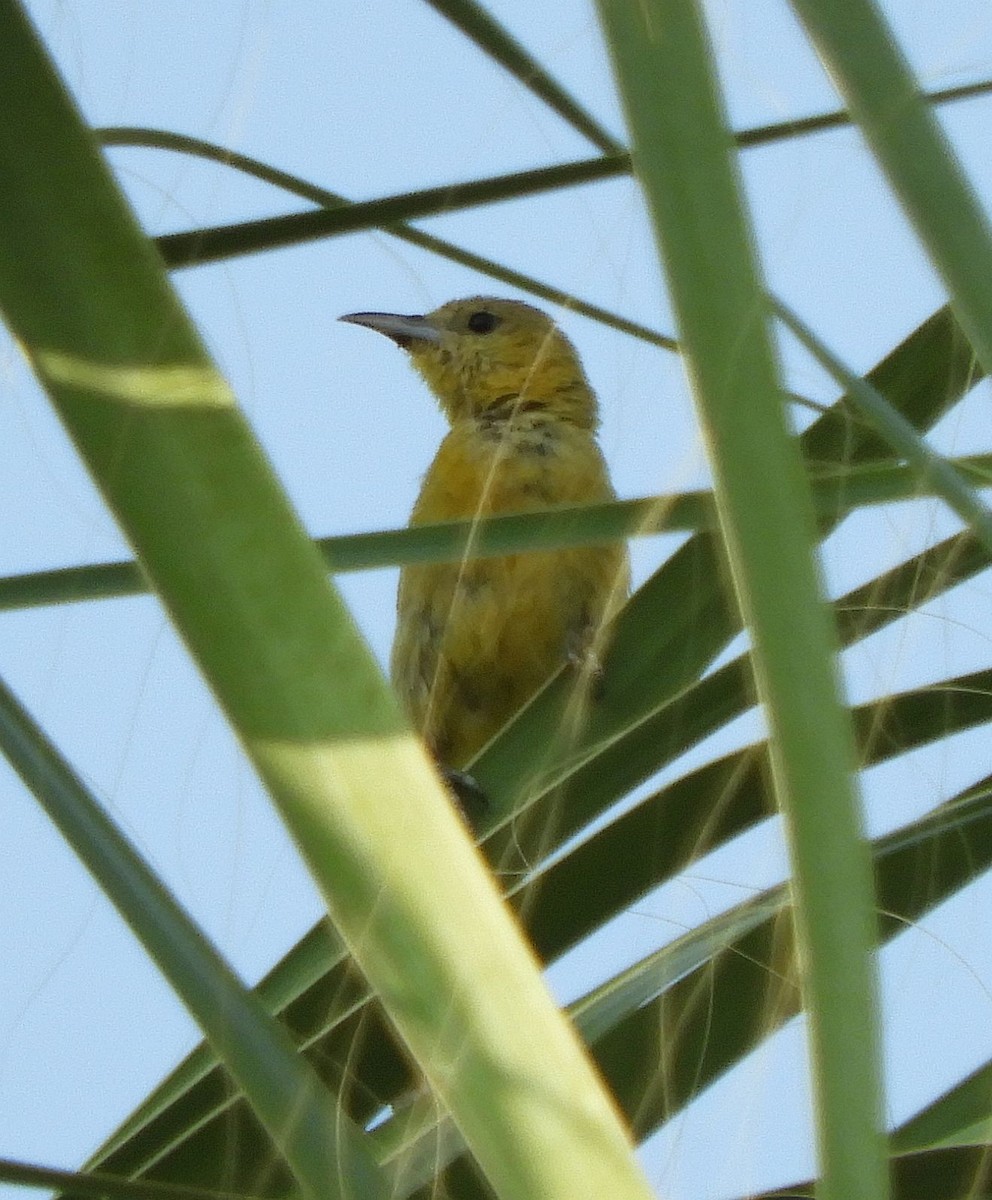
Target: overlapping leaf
[657, 700]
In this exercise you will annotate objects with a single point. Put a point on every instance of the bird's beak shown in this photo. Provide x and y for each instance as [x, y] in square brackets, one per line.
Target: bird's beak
[403, 330]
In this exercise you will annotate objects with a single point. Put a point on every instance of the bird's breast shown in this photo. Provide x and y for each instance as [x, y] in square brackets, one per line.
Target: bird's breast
[487, 466]
[475, 638]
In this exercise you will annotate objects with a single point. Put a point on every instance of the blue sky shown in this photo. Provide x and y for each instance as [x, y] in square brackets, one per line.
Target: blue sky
[368, 100]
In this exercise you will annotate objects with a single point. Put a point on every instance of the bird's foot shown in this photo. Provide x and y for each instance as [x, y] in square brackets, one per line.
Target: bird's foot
[587, 665]
[472, 801]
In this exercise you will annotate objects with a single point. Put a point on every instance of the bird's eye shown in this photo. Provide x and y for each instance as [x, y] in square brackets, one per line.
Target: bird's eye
[482, 322]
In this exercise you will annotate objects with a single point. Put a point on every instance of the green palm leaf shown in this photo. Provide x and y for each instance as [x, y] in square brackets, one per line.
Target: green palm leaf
[570, 846]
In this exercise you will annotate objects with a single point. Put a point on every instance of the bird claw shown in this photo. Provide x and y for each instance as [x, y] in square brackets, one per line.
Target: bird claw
[472, 801]
[586, 663]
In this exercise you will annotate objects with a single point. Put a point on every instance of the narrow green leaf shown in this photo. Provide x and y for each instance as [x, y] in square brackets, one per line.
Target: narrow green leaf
[298, 972]
[884, 98]
[933, 471]
[248, 237]
[779, 131]
[943, 1152]
[961, 1116]
[681, 156]
[487, 33]
[327, 1153]
[953, 1174]
[586, 525]
[100, 1184]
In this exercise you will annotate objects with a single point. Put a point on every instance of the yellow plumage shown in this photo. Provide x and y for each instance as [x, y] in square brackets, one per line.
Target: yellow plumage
[475, 639]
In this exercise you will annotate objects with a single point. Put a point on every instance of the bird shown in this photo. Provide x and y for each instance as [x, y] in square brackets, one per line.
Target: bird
[476, 638]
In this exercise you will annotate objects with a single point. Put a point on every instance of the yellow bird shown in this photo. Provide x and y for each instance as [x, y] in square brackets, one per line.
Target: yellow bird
[475, 639]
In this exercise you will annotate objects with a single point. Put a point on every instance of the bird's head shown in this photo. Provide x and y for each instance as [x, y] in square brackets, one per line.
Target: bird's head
[486, 357]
